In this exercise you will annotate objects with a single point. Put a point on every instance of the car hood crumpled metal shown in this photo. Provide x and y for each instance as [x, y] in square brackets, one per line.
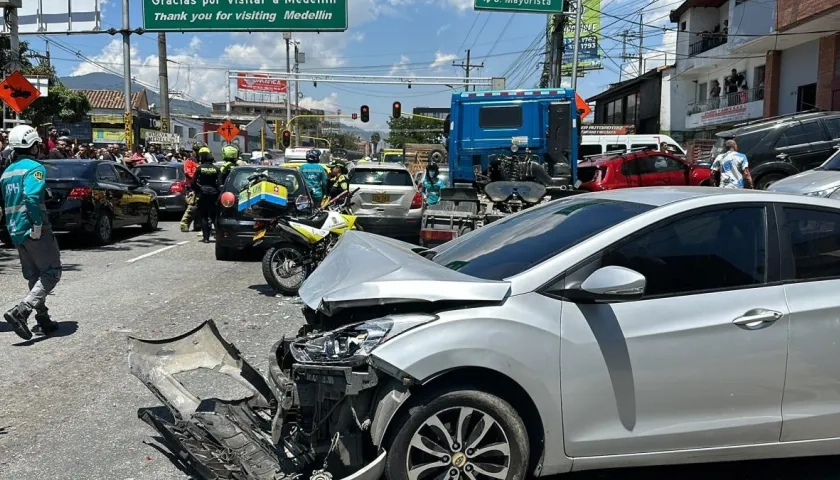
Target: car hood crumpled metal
[366, 269]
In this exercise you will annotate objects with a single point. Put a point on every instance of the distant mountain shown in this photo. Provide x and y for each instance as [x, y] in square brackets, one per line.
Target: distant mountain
[107, 81]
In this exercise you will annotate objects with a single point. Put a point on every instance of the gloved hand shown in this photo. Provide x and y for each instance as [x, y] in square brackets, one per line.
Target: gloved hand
[35, 233]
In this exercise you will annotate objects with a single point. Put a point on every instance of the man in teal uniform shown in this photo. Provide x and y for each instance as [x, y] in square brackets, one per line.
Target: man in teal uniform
[315, 176]
[23, 185]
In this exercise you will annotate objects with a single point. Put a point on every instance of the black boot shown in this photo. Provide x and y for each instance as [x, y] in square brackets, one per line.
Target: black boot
[46, 326]
[17, 318]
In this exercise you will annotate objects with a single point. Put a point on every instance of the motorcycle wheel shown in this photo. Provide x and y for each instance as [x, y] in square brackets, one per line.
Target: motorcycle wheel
[283, 268]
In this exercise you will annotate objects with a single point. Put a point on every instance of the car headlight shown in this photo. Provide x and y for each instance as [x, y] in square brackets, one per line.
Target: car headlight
[356, 340]
[824, 193]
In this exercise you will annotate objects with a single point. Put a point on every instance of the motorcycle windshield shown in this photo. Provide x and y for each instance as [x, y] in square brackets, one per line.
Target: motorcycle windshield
[530, 192]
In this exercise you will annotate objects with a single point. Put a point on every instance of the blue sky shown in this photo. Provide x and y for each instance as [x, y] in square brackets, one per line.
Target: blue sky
[396, 37]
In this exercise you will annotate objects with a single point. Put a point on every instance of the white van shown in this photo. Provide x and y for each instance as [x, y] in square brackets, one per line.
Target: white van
[298, 154]
[598, 144]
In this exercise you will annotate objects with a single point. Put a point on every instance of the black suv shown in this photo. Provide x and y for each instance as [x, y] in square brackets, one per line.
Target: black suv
[782, 146]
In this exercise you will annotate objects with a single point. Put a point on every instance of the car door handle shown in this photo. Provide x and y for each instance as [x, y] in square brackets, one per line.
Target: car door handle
[757, 319]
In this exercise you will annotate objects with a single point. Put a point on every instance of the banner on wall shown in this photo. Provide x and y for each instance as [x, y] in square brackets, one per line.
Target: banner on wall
[589, 55]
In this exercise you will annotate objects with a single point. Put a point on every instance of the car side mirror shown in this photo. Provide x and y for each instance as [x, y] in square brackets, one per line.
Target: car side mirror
[610, 284]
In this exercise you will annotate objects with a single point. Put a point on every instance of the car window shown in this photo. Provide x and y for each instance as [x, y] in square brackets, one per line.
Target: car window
[587, 150]
[156, 172]
[833, 125]
[800, 134]
[715, 250]
[106, 173]
[815, 239]
[663, 164]
[287, 177]
[125, 176]
[616, 147]
[64, 170]
[512, 245]
[386, 177]
[508, 116]
[631, 167]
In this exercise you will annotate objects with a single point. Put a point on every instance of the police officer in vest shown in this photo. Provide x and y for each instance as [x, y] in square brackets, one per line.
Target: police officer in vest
[230, 155]
[205, 184]
[338, 183]
[23, 185]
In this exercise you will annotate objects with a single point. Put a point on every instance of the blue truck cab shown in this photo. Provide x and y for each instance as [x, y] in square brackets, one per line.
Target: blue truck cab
[543, 122]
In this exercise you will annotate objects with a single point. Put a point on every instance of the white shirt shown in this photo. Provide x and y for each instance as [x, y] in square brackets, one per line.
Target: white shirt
[150, 158]
[731, 166]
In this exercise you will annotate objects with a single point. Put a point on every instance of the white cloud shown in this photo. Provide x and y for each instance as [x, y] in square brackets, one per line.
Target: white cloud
[401, 68]
[328, 103]
[442, 59]
[442, 29]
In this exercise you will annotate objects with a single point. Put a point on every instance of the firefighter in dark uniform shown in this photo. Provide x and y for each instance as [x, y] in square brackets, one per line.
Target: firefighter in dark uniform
[205, 184]
[338, 182]
[190, 166]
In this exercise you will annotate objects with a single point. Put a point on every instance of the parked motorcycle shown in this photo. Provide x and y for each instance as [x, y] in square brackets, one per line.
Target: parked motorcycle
[302, 243]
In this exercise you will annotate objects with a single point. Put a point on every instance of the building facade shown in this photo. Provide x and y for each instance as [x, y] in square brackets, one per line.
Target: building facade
[641, 102]
[739, 60]
[105, 123]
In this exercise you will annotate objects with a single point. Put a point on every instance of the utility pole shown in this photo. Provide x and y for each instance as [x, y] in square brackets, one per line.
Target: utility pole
[641, 43]
[126, 33]
[468, 67]
[623, 36]
[297, 94]
[11, 14]
[164, 83]
[287, 36]
[557, 47]
[576, 54]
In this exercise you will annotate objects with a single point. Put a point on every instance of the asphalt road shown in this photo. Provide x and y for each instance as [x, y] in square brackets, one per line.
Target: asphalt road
[68, 404]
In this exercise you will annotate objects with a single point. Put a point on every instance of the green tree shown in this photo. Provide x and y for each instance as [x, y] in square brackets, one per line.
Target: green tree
[414, 130]
[61, 104]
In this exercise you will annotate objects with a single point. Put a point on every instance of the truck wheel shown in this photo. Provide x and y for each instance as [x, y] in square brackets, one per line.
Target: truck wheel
[459, 434]
[283, 268]
[437, 156]
[764, 181]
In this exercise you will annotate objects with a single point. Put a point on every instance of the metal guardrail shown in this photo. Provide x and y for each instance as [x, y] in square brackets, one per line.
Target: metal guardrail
[705, 43]
[727, 100]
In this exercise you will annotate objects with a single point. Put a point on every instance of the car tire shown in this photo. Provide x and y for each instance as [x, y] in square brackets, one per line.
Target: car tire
[763, 182]
[103, 229]
[447, 408]
[223, 254]
[273, 277]
[152, 220]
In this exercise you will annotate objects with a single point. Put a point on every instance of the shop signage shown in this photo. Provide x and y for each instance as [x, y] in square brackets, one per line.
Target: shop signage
[589, 129]
[726, 115]
[112, 119]
[108, 135]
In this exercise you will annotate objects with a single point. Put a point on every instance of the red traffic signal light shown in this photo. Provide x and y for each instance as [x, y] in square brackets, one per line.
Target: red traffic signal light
[396, 110]
[287, 138]
[354, 116]
[365, 114]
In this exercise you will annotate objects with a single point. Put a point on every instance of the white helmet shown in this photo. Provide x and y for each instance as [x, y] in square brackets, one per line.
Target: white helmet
[23, 137]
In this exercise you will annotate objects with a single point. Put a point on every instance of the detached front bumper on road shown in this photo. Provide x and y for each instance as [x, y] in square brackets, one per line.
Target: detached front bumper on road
[307, 419]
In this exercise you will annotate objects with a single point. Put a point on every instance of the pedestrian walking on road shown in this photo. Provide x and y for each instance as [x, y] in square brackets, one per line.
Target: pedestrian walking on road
[24, 186]
[190, 166]
[205, 184]
[731, 168]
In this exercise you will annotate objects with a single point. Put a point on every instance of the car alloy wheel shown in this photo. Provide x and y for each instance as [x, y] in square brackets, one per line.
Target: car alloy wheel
[104, 229]
[459, 442]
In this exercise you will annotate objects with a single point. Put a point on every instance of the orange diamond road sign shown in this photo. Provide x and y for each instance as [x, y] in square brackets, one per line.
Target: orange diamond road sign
[228, 131]
[581, 104]
[17, 92]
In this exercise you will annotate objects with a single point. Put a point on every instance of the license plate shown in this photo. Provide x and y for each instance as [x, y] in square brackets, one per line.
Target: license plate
[260, 234]
[381, 198]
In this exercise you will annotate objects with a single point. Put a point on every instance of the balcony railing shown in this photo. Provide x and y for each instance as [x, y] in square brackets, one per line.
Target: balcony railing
[707, 41]
[727, 100]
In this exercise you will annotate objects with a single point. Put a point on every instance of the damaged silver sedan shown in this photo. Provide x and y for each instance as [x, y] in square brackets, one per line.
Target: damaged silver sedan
[454, 363]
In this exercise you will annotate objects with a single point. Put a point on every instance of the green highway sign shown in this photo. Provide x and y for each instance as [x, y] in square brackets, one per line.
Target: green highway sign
[520, 6]
[245, 15]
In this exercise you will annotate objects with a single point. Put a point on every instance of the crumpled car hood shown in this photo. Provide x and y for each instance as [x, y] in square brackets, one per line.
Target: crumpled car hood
[365, 269]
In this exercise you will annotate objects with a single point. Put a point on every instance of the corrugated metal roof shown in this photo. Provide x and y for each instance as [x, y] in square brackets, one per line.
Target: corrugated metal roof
[113, 99]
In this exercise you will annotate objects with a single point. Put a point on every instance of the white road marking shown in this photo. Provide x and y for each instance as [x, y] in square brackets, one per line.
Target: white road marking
[147, 255]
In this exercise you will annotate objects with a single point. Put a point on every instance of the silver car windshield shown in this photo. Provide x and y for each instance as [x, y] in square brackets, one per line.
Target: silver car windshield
[510, 246]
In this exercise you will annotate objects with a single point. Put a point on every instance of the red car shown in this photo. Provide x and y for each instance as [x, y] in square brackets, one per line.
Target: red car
[640, 169]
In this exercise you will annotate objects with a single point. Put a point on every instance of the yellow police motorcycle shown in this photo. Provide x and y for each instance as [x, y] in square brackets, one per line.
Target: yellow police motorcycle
[297, 244]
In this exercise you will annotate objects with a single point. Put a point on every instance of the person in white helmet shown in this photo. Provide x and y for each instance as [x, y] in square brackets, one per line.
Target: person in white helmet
[23, 185]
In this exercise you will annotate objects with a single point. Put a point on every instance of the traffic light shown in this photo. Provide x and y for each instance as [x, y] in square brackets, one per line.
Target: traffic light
[354, 116]
[365, 114]
[287, 138]
[396, 110]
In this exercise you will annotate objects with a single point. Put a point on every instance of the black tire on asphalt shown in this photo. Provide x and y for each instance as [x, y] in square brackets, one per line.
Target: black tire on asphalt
[223, 254]
[103, 229]
[151, 223]
[501, 411]
[764, 181]
[270, 275]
